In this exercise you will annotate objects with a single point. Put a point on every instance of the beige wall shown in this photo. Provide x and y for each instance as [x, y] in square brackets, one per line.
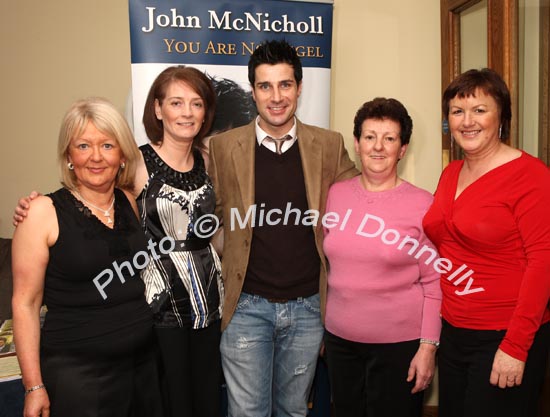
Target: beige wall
[53, 52]
[391, 48]
[56, 52]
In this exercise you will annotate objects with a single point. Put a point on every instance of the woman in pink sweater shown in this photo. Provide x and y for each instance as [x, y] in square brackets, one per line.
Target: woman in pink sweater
[382, 315]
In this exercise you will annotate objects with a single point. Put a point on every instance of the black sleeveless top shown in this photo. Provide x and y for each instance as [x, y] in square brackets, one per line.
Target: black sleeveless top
[93, 291]
[183, 284]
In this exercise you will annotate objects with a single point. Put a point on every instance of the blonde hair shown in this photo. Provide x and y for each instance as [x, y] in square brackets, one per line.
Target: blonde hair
[108, 120]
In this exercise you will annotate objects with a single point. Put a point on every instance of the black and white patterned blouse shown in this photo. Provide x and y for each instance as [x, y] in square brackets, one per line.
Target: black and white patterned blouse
[183, 279]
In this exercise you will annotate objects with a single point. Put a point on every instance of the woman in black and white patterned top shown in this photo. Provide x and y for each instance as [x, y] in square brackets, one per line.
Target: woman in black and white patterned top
[183, 280]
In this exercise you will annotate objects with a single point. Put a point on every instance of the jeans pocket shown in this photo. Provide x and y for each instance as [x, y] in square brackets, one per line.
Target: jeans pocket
[245, 300]
[312, 304]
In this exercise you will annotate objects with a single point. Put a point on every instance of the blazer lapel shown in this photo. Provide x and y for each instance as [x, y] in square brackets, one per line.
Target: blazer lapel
[311, 153]
[243, 160]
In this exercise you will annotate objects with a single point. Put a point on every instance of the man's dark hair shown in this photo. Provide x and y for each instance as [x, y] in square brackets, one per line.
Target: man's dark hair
[274, 52]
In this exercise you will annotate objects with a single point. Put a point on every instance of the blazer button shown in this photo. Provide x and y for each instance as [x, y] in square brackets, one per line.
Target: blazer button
[240, 276]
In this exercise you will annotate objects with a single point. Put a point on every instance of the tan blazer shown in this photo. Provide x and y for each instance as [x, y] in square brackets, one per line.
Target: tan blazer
[324, 161]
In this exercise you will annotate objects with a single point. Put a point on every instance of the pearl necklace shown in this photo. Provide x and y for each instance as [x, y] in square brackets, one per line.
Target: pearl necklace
[106, 213]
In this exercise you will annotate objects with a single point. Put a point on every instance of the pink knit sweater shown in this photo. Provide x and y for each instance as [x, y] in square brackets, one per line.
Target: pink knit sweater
[383, 286]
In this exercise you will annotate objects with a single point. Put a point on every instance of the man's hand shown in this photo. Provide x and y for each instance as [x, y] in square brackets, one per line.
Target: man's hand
[23, 207]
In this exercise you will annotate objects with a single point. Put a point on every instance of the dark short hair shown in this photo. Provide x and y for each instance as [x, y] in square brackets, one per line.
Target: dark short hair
[198, 81]
[234, 106]
[488, 81]
[274, 52]
[384, 108]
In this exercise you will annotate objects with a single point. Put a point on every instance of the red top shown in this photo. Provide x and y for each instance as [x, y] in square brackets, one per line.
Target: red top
[496, 238]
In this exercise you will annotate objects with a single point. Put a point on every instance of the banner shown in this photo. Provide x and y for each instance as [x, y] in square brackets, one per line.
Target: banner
[218, 37]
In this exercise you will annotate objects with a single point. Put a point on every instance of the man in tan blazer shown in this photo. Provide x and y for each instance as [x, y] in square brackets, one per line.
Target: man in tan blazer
[271, 180]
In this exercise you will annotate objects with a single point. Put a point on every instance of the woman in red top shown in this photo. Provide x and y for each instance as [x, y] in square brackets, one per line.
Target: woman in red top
[490, 221]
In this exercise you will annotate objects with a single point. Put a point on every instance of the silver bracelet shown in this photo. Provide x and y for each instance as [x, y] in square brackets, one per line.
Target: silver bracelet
[430, 342]
[36, 387]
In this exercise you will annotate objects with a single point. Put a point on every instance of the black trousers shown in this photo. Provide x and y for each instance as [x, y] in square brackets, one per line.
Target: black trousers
[190, 371]
[370, 379]
[465, 363]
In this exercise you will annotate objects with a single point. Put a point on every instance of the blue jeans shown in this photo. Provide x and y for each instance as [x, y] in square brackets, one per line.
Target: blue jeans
[269, 354]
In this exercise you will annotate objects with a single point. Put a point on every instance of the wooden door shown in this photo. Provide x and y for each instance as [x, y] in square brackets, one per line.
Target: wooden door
[502, 37]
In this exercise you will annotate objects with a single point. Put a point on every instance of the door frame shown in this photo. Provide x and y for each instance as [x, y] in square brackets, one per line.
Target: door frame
[502, 55]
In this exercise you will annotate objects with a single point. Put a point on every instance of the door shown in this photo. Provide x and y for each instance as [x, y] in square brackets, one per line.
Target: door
[516, 36]
[501, 36]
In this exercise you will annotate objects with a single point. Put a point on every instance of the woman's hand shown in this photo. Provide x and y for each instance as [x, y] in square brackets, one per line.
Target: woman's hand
[422, 367]
[507, 371]
[22, 208]
[37, 403]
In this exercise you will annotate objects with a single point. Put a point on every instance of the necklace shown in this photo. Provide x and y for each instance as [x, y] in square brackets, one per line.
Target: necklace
[106, 213]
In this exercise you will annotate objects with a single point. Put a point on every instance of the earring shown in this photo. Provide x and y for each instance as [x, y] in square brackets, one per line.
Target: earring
[500, 132]
[70, 165]
[122, 165]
